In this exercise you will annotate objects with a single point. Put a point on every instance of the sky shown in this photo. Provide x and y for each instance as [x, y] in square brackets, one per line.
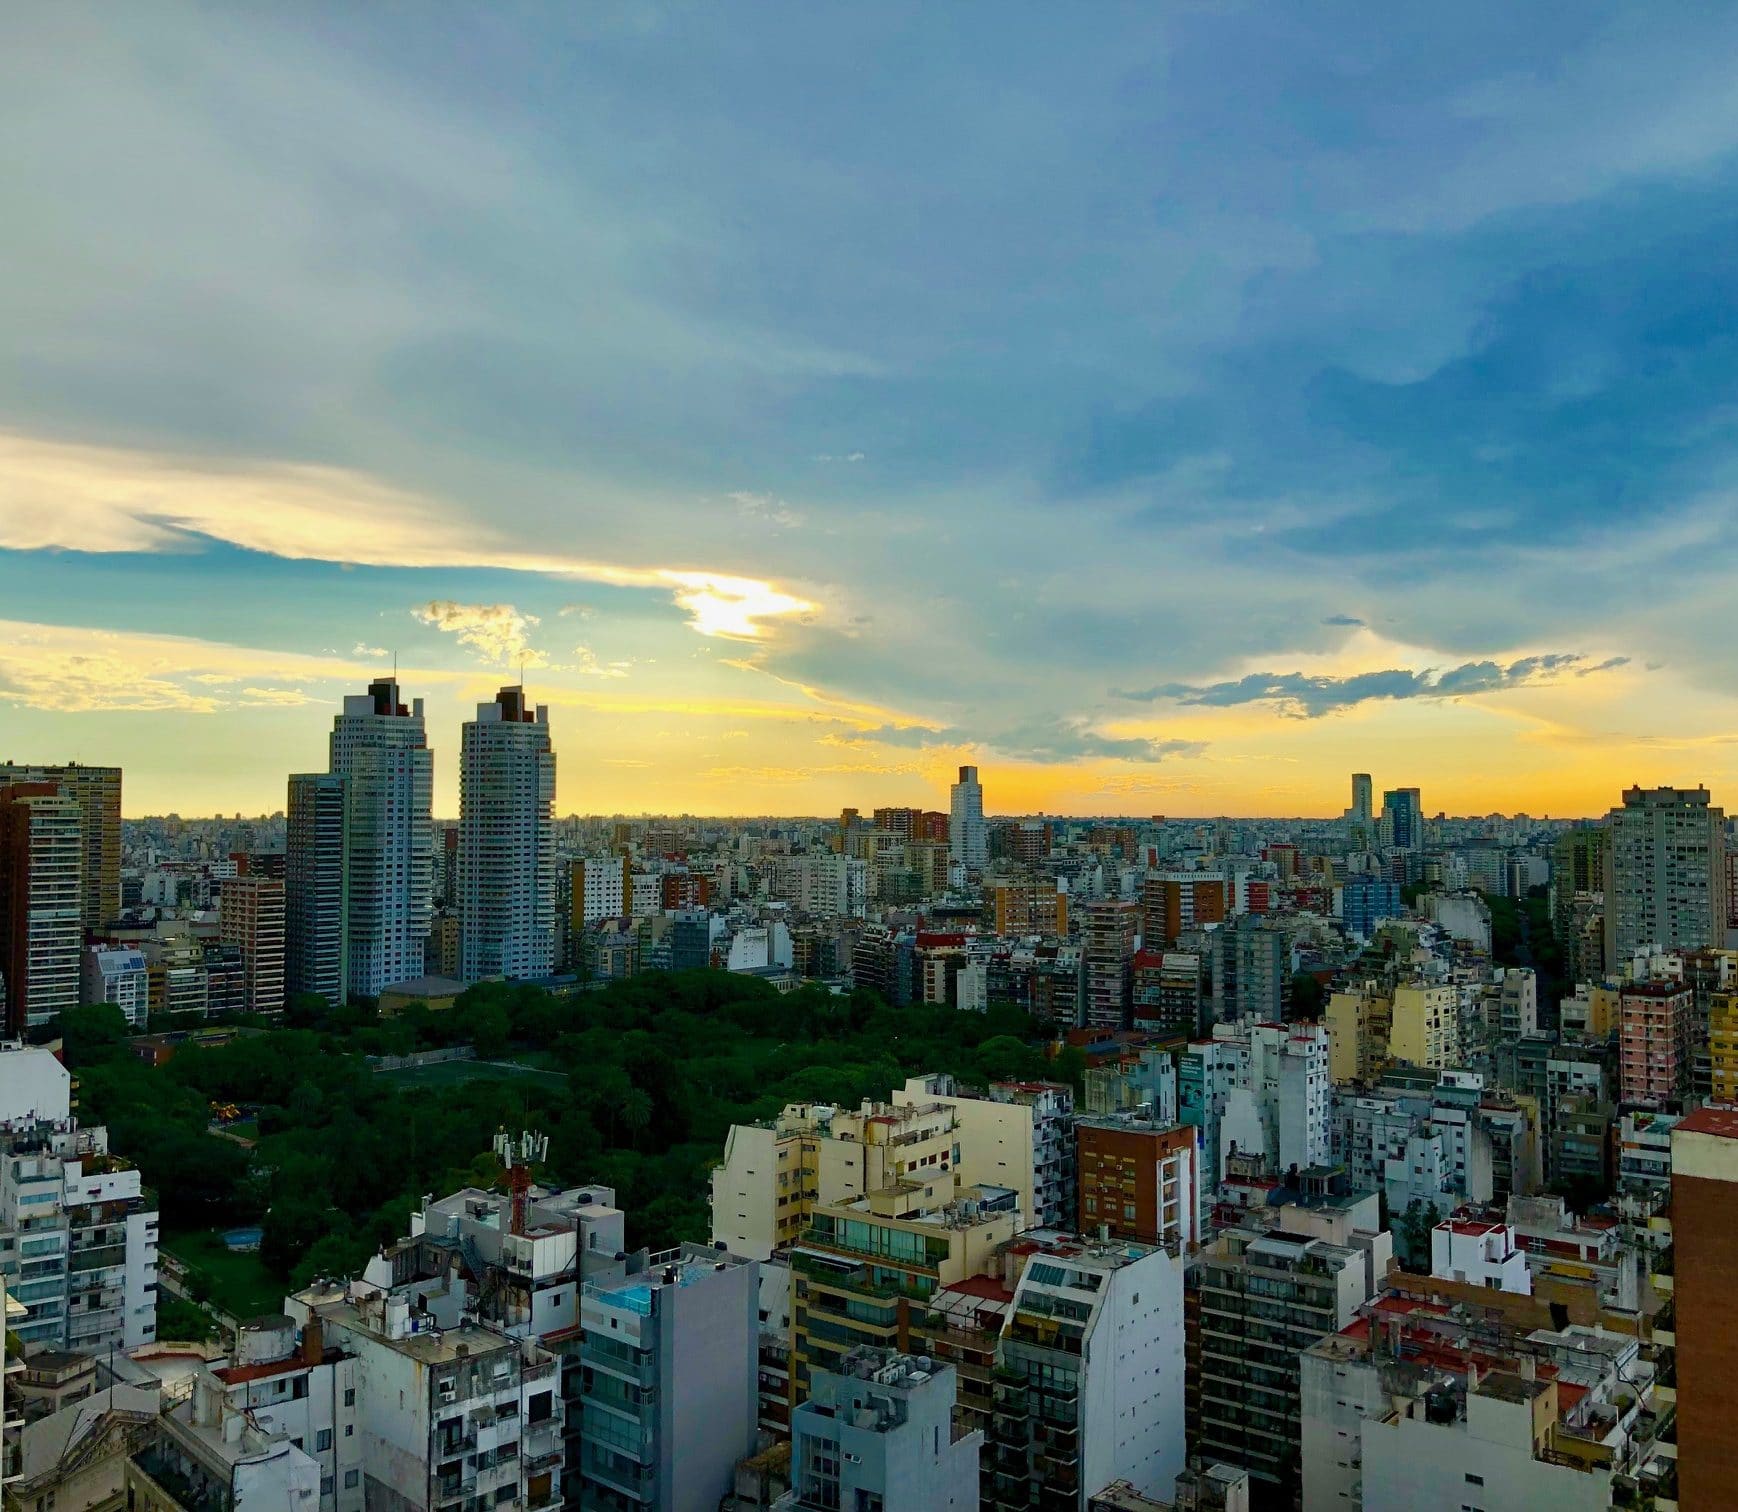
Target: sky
[1169, 408]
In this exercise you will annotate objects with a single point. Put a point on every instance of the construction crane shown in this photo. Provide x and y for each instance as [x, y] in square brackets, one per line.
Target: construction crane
[517, 1156]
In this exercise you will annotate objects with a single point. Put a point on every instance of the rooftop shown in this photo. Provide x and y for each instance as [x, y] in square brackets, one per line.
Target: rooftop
[1722, 1122]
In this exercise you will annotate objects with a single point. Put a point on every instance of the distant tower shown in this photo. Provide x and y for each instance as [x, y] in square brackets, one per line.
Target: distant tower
[41, 895]
[1363, 794]
[968, 837]
[1403, 819]
[506, 871]
[380, 749]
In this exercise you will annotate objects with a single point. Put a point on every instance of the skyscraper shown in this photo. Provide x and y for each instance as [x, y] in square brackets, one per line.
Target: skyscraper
[967, 835]
[41, 872]
[380, 749]
[316, 899]
[506, 882]
[1110, 930]
[1362, 808]
[1665, 872]
[1402, 819]
[251, 917]
[97, 792]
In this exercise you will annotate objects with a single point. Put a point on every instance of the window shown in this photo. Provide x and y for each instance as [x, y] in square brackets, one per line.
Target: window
[349, 1430]
[351, 1479]
[349, 1396]
[325, 1485]
[322, 1441]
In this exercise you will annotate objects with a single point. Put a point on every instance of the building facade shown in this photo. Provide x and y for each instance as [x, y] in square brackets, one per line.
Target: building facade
[317, 888]
[506, 892]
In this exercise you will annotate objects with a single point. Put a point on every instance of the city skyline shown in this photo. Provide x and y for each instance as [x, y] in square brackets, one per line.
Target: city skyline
[801, 446]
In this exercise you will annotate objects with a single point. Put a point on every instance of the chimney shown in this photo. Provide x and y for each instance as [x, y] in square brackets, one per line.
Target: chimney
[1472, 1378]
[1529, 1368]
[313, 1341]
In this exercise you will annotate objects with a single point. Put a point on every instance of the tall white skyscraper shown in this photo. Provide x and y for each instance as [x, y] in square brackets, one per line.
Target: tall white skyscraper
[381, 751]
[968, 838]
[506, 884]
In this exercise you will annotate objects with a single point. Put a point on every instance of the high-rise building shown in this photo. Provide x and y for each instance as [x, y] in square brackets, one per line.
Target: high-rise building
[1366, 901]
[878, 1433]
[1705, 1259]
[251, 917]
[1251, 962]
[1260, 1299]
[1139, 1178]
[671, 1354]
[380, 749]
[1109, 935]
[1089, 1375]
[1665, 872]
[1402, 819]
[1363, 799]
[1653, 1043]
[41, 894]
[316, 888]
[1177, 901]
[97, 792]
[968, 836]
[507, 841]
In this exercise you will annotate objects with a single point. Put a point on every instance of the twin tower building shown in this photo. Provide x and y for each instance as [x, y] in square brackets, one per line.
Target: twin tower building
[359, 877]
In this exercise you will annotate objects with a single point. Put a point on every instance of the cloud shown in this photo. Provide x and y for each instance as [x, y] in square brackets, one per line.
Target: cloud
[1309, 696]
[1342, 619]
[369, 653]
[766, 509]
[855, 456]
[1043, 742]
[497, 632]
[1610, 664]
[80, 670]
[589, 666]
[66, 497]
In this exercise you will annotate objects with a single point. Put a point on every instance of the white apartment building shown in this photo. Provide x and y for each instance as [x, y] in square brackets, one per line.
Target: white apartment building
[968, 835]
[599, 884]
[1480, 1253]
[1096, 1331]
[78, 1246]
[118, 975]
[277, 1419]
[447, 1411]
[1016, 1134]
[1278, 1103]
[506, 892]
[380, 749]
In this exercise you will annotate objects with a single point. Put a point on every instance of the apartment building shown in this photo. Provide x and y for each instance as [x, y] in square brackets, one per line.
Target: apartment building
[78, 1241]
[1089, 1384]
[1012, 1134]
[865, 1271]
[96, 792]
[281, 1409]
[1653, 1043]
[1426, 1026]
[1170, 992]
[1665, 872]
[252, 918]
[1109, 934]
[447, 1411]
[1260, 1299]
[380, 749]
[1026, 906]
[41, 898]
[669, 1351]
[1140, 1179]
[773, 1175]
[316, 887]
[118, 975]
[1174, 903]
[878, 1433]
[506, 861]
[1359, 1022]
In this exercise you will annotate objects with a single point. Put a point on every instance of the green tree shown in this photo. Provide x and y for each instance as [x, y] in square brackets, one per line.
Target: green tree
[183, 1322]
[92, 1034]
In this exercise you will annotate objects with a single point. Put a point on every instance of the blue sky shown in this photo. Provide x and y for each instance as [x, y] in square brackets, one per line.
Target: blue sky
[816, 396]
